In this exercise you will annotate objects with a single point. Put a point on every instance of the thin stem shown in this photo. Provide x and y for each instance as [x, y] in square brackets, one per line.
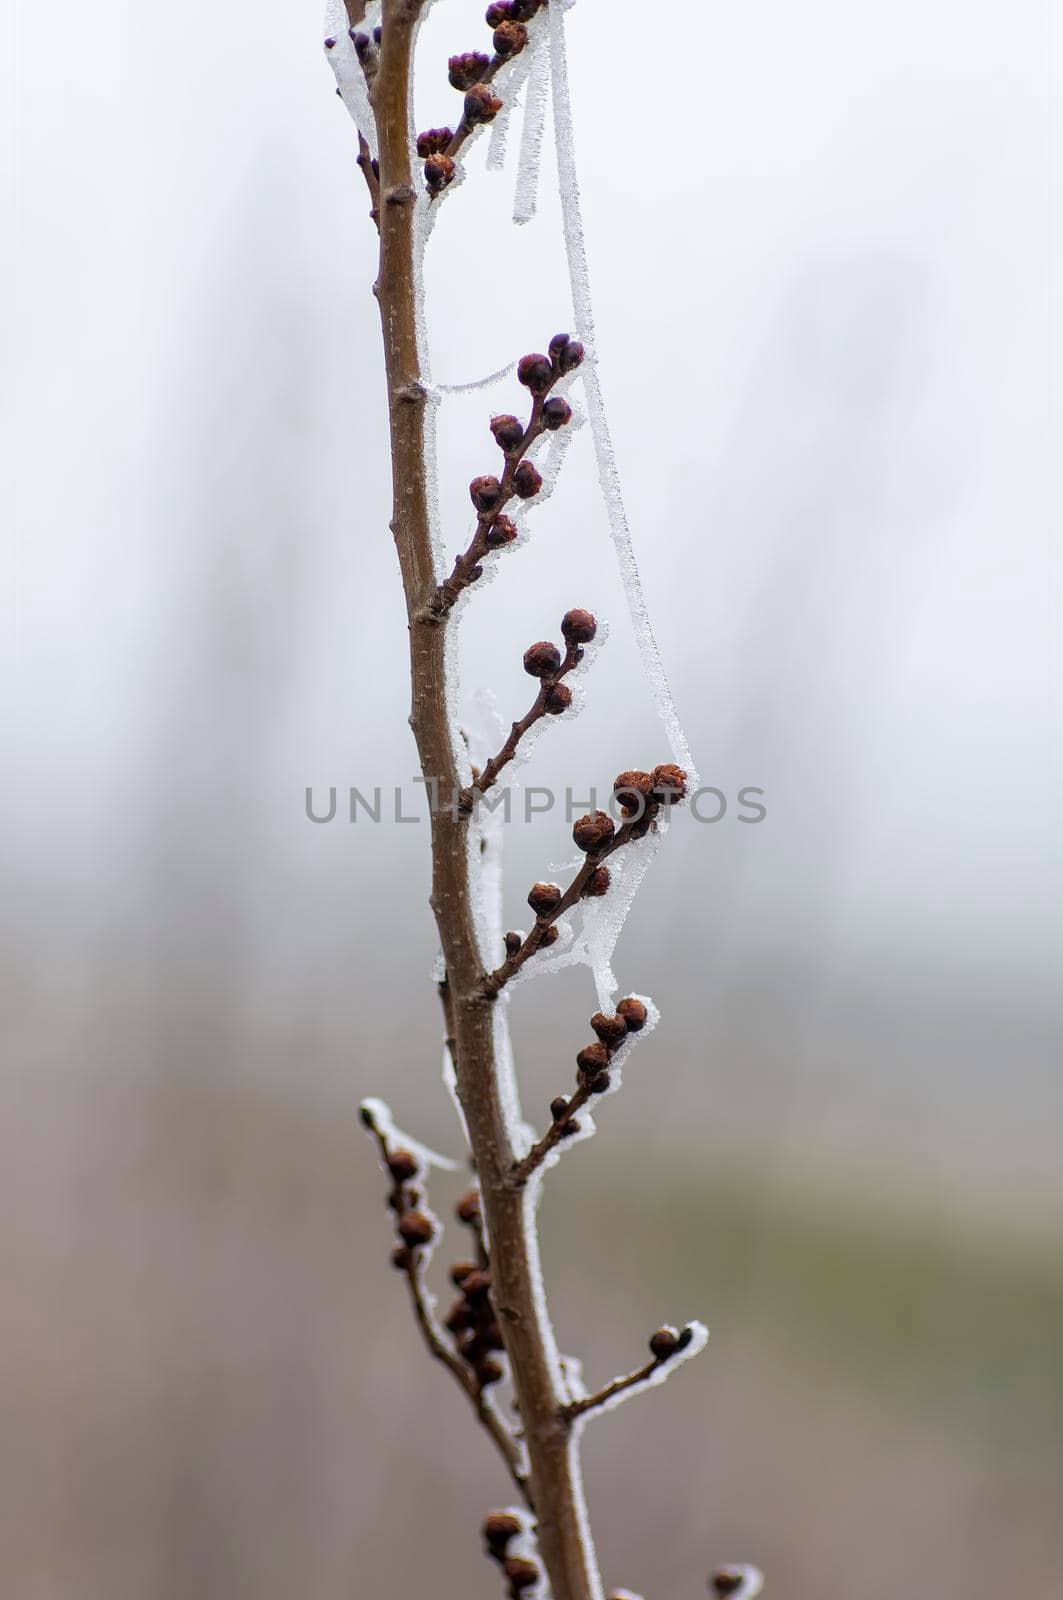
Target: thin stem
[553, 1136]
[488, 777]
[619, 1386]
[365, 161]
[465, 129]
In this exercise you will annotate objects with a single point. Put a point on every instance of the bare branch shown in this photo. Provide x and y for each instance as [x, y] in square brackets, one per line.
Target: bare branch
[668, 1348]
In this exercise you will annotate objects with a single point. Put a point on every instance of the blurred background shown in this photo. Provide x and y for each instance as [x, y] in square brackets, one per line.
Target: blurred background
[821, 239]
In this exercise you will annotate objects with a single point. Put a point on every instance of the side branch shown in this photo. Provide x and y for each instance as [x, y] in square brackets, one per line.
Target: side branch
[666, 1346]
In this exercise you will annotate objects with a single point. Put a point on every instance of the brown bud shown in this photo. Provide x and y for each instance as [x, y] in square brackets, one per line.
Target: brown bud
[466, 69]
[544, 898]
[460, 1271]
[665, 1343]
[508, 431]
[415, 1228]
[598, 882]
[727, 1580]
[488, 1371]
[633, 1012]
[633, 790]
[484, 492]
[571, 356]
[481, 104]
[572, 1126]
[499, 12]
[401, 1257]
[610, 1030]
[685, 1336]
[535, 372]
[556, 412]
[474, 574]
[527, 479]
[402, 1164]
[559, 1108]
[521, 1574]
[550, 936]
[524, 10]
[459, 1318]
[362, 43]
[439, 170]
[510, 38]
[476, 1287]
[366, 1117]
[558, 699]
[669, 783]
[500, 1527]
[592, 1059]
[514, 940]
[468, 1208]
[594, 830]
[601, 1083]
[330, 44]
[579, 626]
[433, 141]
[491, 1337]
[558, 344]
[542, 660]
[503, 530]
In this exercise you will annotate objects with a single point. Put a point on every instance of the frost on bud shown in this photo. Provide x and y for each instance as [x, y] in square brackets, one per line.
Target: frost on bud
[633, 1012]
[484, 492]
[610, 1030]
[578, 626]
[556, 412]
[466, 69]
[468, 1209]
[633, 790]
[509, 38]
[330, 44]
[402, 1164]
[593, 831]
[514, 940]
[728, 1580]
[522, 1574]
[664, 1344]
[439, 170]
[542, 660]
[508, 431]
[559, 1108]
[544, 898]
[415, 1228]
[535, 372]
[558, 699]
[481, 104]
[550, 936]
[527, 480]
[503, 530]
[592, 1059]
[433, 141]
[572, 1126]
[598, 882]
[498, 1529]
[669, 783]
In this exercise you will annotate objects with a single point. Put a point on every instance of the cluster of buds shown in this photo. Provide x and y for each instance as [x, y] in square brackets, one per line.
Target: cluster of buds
[500, 1529]
[471, 1319]
[593, 1061]
[413, 1224]
[640, 797]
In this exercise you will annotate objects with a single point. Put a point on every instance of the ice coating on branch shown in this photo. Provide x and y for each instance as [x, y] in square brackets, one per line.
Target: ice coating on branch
[604, 917]
[475, 384]
[751, 1581]
[496, 148]
[342, 58]
[699, 1338]
[531, 138]
[376, 1114]
[608, 477]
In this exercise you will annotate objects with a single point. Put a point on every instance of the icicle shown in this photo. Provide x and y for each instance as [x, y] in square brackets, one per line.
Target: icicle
[343, 59]
[583, 311]
[476, 383]
[531, 139]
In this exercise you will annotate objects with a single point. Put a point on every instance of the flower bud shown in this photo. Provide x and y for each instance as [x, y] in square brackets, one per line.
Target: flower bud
[481, 104]
[415, 1228]
[402, 1164]
[330, 44]
[460, 1271]
[592, 1059]
[558, 344]
[499, 1528]
[401, 1258]
[633, 1012]
[558, 699]
[362, 45]
[610, 1030]
[571, 356]
[514, 940]
[669, 783]
[476, 1287]
[598, 882]
[594, 830]
[544, 898]
[550, 936]
[524, 10]
[601, 1083]
[542, 660]
[484, 492]
[527, 480]
[468, 1208]
[559, 1108]
[459, 1318]
[508, 431]
[439, 170]
[509, 38]
[488, 1371]
[633, 790]
[466, 69]
[728, 1580]
[556, 412]
[503, 530]
[664, 1343]
[535, 372]
[573, 1125]
[500, 12]
[433, 141]
[578, 626]
[521, 1574]
[474, 573]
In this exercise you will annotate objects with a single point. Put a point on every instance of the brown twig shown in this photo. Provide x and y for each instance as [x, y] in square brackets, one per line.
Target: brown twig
[365, 161]
[590, 1402]
[556, 1133]
[540, 708]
